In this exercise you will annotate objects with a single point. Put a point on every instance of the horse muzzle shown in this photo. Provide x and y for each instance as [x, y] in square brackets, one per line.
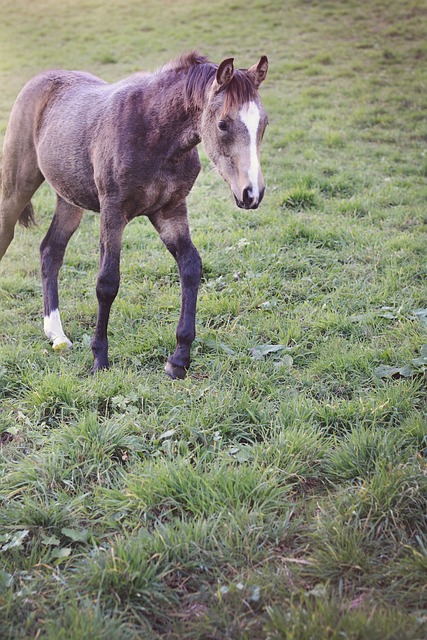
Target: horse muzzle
[249, 200]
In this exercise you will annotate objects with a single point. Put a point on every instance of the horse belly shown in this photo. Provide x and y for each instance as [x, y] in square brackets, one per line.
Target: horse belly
[70, 174]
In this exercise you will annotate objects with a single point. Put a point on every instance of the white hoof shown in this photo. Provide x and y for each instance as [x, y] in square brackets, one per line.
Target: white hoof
[61, 344]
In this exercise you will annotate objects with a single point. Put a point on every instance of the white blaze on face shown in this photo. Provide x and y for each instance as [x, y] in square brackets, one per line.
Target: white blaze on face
[250, 116]
[54, 332]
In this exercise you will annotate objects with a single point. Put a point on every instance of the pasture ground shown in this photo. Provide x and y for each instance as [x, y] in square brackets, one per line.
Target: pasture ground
[280, 491]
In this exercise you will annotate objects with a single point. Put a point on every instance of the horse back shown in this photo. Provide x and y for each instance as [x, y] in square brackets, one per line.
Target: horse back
[44, 90]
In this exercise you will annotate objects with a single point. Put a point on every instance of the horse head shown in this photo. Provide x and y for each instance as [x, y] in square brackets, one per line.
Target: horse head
[232, 128]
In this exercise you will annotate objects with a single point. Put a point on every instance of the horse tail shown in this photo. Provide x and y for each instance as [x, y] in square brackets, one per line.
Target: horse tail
[27, 217]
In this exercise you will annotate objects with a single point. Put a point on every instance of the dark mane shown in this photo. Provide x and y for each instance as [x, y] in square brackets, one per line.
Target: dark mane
[201, 73]
[199, 77]
[185, 61]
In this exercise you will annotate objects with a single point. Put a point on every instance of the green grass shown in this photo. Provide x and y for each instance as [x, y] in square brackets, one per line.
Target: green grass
[280, 491]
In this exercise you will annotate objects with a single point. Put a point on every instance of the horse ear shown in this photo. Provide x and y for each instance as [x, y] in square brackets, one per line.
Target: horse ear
[224, 74]
[259, 71]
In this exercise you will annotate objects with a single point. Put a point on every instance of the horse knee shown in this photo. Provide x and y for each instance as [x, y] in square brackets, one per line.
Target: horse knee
[107, 287]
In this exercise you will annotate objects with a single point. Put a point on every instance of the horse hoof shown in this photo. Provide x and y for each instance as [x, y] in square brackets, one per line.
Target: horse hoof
[96, 370]
[98, 367]
[61, 344]
[175, 372]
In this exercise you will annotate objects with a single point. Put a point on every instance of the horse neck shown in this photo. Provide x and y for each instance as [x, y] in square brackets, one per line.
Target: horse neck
[172, 109]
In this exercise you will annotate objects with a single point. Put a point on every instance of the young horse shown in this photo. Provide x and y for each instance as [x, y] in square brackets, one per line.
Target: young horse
[125, 150]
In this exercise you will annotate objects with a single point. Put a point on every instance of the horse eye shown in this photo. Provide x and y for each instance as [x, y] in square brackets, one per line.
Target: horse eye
[222, 125]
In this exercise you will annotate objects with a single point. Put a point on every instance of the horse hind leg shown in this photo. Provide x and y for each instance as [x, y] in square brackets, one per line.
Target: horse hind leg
[65, 221]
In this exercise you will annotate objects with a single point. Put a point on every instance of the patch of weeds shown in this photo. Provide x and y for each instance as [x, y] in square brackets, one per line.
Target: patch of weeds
[354, 207]
[83, 621]
[416, 367]
[391, 502]
[407, 576]
[337, 415]
[293, 451]
[94, 440]
[300, 198]
[49, 514]
[335, 139]
[362, 451]
[414, 433]
[177, 487]
[161, 571]
[149, 572]
[89, 451]
[341, 552]
[57, 398]
[321, 617]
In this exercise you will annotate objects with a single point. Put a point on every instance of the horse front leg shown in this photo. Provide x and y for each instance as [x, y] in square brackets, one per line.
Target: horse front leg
[174, 232]
[108, 282]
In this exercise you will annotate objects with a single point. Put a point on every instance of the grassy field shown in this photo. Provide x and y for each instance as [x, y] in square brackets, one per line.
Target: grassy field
[280, 491]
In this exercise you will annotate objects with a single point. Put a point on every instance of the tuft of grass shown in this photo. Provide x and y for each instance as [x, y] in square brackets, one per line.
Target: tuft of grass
[319, 616]
[82, 621]
[300, 198]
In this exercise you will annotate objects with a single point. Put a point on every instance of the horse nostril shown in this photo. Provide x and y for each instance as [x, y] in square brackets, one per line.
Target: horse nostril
[247, 197]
